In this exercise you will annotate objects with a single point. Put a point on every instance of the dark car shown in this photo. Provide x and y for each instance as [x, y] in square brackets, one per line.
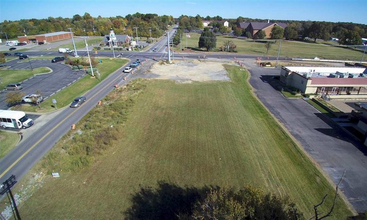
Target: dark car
[23, 56]
[18, 54]
[21, 44]
[78, 102]
[40, 43]
[7, 54]
[57, 59]
[12, 48]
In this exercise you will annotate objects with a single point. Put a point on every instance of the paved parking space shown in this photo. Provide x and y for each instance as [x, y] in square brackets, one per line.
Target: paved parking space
[49, 84]
[328, 145]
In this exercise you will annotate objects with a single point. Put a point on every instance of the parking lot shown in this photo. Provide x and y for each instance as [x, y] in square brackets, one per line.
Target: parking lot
[49, 84]
[328, 145]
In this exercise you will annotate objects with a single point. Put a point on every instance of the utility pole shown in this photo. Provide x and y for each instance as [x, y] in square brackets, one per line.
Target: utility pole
[136, 31]
[72, 37]
[280, 44]
[29, 60]
[6, 188]
[364, 51]
[169, 50]
[90, 62]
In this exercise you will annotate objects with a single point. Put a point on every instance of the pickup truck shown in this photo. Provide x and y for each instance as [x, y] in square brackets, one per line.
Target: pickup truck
[65, 50]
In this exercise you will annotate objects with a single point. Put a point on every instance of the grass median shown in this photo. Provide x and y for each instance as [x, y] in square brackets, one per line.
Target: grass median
[15, 76]
[198, 134]
[67, 95]
[8, 140]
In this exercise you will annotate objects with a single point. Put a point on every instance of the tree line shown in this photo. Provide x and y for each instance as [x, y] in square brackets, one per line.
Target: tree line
[348, 33]
[86, 25]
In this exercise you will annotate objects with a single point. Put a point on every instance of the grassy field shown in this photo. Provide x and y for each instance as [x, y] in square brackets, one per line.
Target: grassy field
[288, 48]
[66, 96]
[8, 140]
[197, 134]
[14, 76]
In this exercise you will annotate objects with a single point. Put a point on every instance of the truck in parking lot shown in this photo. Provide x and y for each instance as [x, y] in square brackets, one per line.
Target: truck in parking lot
[65, 50]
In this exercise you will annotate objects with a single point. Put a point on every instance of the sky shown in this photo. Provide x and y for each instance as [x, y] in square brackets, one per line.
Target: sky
[313, 10]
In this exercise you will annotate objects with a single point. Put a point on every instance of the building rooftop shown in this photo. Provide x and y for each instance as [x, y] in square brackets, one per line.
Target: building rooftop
[53, 34]
[329, 72]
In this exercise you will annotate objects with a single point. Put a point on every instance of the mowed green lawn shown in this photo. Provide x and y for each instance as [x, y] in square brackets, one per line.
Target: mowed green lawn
[290, 49]
[197, 134]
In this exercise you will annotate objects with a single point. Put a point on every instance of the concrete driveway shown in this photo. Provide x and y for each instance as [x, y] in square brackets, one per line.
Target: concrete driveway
[49, 84]
[325, 142]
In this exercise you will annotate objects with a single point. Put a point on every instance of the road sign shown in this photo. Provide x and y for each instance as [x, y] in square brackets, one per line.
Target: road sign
[54, 101]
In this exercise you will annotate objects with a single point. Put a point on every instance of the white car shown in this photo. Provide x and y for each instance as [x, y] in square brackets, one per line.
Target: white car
[32, 98]
[128, 69]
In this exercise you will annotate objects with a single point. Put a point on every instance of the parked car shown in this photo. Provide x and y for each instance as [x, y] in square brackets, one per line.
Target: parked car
[127, 69]
[23, 56]
[14, 86]
[57, 59]
[32, 98]
[40, 43]
[21, 44]
[17, 54]
[78, 102]
[12, 48]
[7, 54]
[133, 65]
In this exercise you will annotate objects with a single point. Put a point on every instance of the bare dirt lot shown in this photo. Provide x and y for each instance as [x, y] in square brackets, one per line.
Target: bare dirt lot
[188, 71]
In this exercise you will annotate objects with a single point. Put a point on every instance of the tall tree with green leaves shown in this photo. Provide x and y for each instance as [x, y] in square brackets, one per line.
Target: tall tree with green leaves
[207, 40]
[351, 38]
[260, 35]
[277, 32]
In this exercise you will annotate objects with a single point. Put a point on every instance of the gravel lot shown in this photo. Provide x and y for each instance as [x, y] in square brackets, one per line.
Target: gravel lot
[193, 70]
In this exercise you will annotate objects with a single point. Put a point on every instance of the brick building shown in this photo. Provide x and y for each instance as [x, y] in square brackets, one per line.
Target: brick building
[48, 37]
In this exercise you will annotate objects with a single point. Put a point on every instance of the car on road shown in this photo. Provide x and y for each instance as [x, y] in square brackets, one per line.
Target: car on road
[137, 61]
[7, 54]
[23, 56]
[21, 44]
[128, 69]
[155, 49]
[14, 86]
[18, 54]
[78, 102]
[57, 59]
[134, 65]
[32, 98]
[12, 48]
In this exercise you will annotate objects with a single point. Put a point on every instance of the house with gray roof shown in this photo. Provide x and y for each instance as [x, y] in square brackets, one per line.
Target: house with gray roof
[120, 39]
[267, 27]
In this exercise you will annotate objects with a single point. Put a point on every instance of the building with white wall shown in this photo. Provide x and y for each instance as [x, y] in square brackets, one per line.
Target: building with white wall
[339, 82]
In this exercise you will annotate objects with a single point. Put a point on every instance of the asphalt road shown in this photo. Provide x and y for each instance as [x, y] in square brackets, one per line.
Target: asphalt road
[323, 140]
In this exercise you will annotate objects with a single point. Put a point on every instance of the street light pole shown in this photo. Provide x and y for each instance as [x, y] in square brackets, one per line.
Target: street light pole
[169, 50]
[90, 62]
[6, 188]
[72, 37]
[136, 31]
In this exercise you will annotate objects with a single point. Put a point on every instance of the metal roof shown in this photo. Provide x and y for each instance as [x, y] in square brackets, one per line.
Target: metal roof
[53, 34]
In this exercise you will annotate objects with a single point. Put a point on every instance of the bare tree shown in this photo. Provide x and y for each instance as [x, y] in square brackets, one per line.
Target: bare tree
[323, 200]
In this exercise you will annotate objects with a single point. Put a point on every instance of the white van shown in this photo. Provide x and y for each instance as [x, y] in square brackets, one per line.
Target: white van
[65, 50]
[14, 119]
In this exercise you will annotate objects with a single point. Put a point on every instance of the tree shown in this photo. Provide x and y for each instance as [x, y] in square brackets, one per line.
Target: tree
[228, 46]
[277, 32]
[290, 33]
[248, 34]
[13, 98]
[237, 31]
[247, 203]
[207, 40]
[351, 38]
[268, 46]
[260, 35]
